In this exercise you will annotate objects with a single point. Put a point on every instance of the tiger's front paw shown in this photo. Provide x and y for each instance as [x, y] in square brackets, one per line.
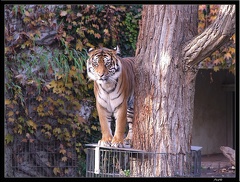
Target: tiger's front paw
[105, 141]
[117, 143]
[102, 143]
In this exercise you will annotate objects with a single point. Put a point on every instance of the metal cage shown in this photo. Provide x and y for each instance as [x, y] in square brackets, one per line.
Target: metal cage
[128, 162]
[43, 159]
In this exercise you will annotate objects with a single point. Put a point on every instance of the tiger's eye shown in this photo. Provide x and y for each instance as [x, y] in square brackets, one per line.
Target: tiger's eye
[95, 62]
[108, 63]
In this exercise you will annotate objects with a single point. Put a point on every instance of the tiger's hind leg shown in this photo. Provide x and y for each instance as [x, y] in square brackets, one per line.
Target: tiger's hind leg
[130, 114]
[128, 139]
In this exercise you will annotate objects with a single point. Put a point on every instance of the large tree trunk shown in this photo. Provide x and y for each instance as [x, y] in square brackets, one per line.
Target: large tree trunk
[164, 92]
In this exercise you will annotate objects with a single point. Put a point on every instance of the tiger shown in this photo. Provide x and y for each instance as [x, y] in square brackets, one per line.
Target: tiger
[113, 78]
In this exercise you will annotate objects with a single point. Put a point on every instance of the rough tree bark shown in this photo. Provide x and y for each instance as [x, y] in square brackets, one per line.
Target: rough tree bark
[167, 47]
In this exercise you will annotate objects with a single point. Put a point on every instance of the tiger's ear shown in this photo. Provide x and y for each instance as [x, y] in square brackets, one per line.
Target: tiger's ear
[117, 50]
[90, 51]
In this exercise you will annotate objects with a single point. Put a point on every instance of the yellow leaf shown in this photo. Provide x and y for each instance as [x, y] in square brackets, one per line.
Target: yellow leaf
[19, 127]
[233, 38]
[26, 20]
[221, 60]
[90, 45]
[24, 140]
[11, 119]
[79, 14]
[123, 8]
[60, 102]
[39, 98]
[7, 102]
[232, 69]
[63, 13]
[59, 76]
[14, 102]
[62, 151]
[49, 99]
[73, 133]
[73, 68]
[87, 130]
[56, 170]
[232, 50]
[94, 127]
[66, 171]
[47, 126]
[201, 16]
[64, 159]
[28, 43]
[40, 108]
[7, 49]
[90, 31]
[201, 27]
[68, 92]
[216, 68]
[90, 86]
[113, 7]
[74, 23]
[48, 134]
[26, 111]
[32, 124]
[10, 113]
[106, 31]
[79, 45]
[51, 84]
[95, 114]
[27, 13]
[51, 108]
[69, 85]
[82, 77]
[217, 61]
[227, 56]
[97, 35]
[202, 7]
[57, 130]
[63, 111]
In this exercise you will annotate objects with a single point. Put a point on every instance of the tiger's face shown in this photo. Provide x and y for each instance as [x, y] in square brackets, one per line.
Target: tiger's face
[103, 65]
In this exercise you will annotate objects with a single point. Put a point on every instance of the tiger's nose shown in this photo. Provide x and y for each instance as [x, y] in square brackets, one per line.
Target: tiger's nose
[100, 75]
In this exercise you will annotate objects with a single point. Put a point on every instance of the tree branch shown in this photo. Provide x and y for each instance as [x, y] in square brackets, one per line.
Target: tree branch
[212, 38]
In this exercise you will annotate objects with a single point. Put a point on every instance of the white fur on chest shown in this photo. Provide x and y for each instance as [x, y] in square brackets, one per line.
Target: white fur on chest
[109, 99]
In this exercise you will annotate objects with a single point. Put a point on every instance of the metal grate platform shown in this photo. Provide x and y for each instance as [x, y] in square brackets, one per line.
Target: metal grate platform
[128, 162]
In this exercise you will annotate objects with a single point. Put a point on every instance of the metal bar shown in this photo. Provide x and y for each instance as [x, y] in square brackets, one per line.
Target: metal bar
[97, 159]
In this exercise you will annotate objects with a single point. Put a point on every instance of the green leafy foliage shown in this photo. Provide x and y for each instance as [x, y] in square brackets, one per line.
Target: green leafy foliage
[46, 84]
[8, 138]
[100, 25]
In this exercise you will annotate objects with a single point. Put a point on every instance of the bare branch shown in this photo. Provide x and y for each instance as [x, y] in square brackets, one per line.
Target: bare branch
[212, 38]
